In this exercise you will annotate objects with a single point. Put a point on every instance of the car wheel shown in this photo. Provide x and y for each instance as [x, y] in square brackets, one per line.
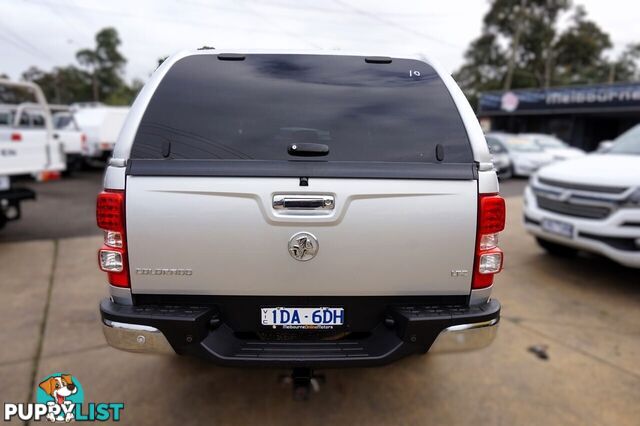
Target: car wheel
[556, 249]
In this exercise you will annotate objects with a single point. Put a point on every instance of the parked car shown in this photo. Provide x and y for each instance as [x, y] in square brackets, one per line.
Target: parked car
[590, 203]
[30, 115]
[525, 156]
[25, 150]
[556, 147]
[72, 138]
[604, 146]
[101, 125]
[500, 157]
[264, 229]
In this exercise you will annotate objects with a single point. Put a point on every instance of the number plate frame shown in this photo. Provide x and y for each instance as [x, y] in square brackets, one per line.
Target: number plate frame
[557, 227]
[302, 317]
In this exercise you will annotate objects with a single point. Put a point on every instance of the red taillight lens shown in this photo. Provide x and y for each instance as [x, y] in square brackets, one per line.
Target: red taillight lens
[110, 211]
[16, 137]
[492, 214]
[112, 257]
[489, 258]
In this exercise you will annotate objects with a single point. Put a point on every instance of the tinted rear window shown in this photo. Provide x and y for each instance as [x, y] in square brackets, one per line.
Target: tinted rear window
[253, 109]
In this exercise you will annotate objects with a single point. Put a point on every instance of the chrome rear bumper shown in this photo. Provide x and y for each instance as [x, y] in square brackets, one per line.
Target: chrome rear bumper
[193, 330]
[466, 337]
[135, 337]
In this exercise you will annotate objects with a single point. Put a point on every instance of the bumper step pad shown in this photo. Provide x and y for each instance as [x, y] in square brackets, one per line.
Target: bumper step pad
[403, 330]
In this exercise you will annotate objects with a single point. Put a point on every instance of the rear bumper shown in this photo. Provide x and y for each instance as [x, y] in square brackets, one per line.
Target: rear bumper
[199, 331]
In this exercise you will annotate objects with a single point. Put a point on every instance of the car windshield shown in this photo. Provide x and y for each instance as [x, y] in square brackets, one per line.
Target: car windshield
[63, 121]
[628, 142]
[5, 118]
[546, 141]
[523, 145]
[495, 147]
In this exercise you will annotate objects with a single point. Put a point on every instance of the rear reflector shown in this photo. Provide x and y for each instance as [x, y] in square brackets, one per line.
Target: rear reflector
[16, 137]
[112, 257]
[489, 258]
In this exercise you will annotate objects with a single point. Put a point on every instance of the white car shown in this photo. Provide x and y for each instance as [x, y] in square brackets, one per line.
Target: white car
[499, 157]
[590, 203]
[556, 147]
[101, 124]
[525, 155]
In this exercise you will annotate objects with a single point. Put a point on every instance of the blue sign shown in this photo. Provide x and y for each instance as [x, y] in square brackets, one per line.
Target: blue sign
[562, 99]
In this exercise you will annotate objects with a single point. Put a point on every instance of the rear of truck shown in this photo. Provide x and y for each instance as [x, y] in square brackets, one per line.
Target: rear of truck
[302, 210]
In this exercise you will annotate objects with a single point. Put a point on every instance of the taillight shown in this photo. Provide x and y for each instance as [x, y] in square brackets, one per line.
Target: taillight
[491, 220]
[16, 137]
[83, 141]
[112, 257]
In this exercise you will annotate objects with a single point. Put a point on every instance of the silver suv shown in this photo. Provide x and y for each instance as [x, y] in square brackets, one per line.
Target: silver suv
[300, 210]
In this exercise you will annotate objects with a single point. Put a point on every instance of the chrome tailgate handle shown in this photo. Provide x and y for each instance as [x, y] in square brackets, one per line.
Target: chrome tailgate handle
[303, 202]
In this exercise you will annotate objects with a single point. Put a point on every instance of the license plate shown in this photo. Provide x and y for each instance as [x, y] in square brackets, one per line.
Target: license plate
[4, 183]
[302, 317]
[557, 227]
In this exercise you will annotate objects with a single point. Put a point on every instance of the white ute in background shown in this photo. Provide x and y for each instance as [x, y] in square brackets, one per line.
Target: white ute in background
[31, 115]
[101, 124]
[590, 203]
[26, 151]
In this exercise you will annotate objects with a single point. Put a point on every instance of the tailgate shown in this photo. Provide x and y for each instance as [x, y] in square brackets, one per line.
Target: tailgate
[223, 236]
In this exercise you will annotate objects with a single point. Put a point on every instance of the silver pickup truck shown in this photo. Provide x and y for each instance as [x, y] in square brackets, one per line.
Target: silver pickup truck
[300, 210]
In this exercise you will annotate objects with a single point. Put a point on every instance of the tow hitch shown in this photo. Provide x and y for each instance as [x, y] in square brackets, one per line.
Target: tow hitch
[303, 381]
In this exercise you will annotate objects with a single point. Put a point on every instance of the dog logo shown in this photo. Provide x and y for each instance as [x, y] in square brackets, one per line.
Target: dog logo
[303, 246]
[60, 398]
[60, 389]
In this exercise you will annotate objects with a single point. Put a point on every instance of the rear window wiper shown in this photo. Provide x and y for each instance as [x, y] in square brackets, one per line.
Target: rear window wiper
[308, 149]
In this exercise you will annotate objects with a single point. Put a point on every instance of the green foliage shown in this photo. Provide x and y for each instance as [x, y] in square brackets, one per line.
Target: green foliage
[62, 85]
[99, 77]
[578, 52]
[521, 46]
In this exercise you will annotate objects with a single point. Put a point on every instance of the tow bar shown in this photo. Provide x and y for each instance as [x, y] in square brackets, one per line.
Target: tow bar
[303, 381]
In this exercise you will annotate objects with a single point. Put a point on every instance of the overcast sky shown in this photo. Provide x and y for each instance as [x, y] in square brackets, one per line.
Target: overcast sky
[47, 33]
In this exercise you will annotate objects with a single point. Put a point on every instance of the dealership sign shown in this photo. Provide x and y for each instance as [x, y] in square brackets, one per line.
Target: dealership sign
[562, 99]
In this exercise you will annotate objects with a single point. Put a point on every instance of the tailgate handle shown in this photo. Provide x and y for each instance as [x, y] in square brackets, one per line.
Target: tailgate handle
[303, 202]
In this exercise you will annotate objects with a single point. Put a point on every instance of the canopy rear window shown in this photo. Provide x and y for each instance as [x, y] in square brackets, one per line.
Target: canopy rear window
[253, 109]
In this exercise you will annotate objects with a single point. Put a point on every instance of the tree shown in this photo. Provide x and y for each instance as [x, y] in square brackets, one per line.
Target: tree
[485, 64]
[578, 52]
[514, 48]
[626, 67]
[521, 46]
[105, 64]
[62, 85]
